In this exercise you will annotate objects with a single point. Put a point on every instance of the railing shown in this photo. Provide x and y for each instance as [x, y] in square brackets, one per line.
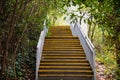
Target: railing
[40, 47]
[86, 43]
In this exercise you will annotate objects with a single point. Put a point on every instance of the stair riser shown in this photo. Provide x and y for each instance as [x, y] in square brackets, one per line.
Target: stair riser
[63, 64]
[61, 37]
[69, 41]
[60, 33]
[64, 61]
[55, 58]
[59, 30]
[45, 45]
[64, 52]
[61, 44]
[65, 78]
[59, 72]
[62, 67]
[61, 41]
[63, 55]
[62, 48]
[52, 53]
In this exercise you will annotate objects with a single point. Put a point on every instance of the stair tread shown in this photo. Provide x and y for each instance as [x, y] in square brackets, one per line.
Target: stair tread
[61, 57]
[89, 71]
[78, 48]
[59, 39]
[62, 61]
[62, 42]
[70, 54]
[78, 52]
[64, 67]
[62, 37]
[56, 48]
[66, 63]
[62, 47]
[56, 62]
[70, 75]
[64, 56]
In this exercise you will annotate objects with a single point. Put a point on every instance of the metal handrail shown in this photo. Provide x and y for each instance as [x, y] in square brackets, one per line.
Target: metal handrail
[40, 47]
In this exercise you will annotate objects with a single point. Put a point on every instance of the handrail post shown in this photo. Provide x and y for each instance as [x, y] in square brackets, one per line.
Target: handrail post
[44, 25]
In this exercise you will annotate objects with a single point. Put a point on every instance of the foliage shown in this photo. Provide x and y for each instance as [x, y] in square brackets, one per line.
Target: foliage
[21, 22]
[104, 14]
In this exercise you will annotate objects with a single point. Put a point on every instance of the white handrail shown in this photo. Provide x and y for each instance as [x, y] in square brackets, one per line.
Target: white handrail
[86, 38]
[40, 47]
[86, 43]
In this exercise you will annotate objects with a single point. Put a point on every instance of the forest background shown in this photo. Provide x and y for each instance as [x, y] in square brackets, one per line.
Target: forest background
[21, 22]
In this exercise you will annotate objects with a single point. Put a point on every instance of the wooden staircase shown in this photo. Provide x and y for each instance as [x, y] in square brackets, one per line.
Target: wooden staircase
[63, 57]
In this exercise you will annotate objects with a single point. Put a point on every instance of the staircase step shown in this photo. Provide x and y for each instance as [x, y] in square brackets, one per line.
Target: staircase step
[68, 54]
[70, 75]
[63, 57]
[64, 64]
[60, 43]
[64, 67]
[50, 47]
[61, 37]
[62, 49]
[60, 34]
[64, 61]
[63, 43]
[60, 30]
[63, 52]
[52, 34]
[54, 45]
[65, 77]
[66, 71]
[59, 40]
